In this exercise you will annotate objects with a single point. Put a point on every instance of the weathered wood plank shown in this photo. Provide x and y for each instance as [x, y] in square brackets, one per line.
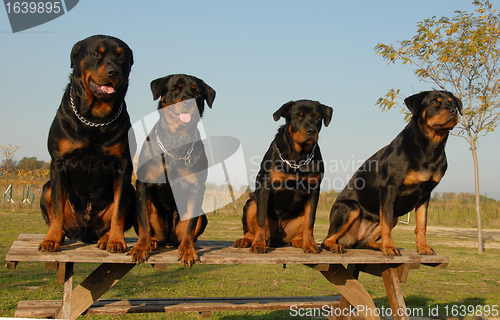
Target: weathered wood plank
[47, 308]
[210, 252]
[95, 285]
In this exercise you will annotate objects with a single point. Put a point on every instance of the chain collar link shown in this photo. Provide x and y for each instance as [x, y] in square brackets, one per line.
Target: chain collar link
[87, 122]
[186, 158]
[297, 166]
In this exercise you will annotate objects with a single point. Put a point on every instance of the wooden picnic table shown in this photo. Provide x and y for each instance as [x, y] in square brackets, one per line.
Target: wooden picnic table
[341, 270]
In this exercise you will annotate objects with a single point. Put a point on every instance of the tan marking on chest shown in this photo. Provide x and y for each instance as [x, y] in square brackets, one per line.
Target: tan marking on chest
[416, 177]
[117, 149]
[65, 145]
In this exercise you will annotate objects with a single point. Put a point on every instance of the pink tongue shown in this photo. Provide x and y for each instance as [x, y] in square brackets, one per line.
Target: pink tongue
[185, 117]
[108, 89]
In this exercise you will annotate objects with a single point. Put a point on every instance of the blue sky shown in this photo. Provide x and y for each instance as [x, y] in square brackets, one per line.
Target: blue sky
[257, 55]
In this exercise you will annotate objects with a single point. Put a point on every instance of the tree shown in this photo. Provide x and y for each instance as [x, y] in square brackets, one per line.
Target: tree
[31, 163]
[460, 55]
[8, 154]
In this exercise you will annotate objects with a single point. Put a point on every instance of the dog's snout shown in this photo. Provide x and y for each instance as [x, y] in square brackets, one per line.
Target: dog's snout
[113, 72]
[311, 130]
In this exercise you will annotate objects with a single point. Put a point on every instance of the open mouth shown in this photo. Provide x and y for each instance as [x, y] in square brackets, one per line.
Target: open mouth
[182, 117]
[103, 89]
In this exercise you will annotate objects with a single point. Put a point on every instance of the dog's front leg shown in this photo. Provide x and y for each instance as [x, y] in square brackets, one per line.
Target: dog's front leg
[308, 242]
[140, 251]
[387, 197]
[421, 228]
[58, 192]
[259, 242]
[114, 239]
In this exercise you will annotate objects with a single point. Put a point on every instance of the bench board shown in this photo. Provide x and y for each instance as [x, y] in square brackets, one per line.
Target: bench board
[48, 308]
[25, 248]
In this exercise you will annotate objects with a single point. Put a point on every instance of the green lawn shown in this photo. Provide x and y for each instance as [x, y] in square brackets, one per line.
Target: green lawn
[470, 279]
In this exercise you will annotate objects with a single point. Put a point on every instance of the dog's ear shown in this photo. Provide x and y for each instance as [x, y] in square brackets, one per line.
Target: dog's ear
[327, 114]
[74, 53]
[281, 112]
[457, 101]
[209, 94]
[413, 102]
[157, 86]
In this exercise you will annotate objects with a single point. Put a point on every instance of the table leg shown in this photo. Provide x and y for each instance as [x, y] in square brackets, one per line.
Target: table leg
[344, 304]
[66, 270]
[95, 285]
[350, 289]
[394, 293]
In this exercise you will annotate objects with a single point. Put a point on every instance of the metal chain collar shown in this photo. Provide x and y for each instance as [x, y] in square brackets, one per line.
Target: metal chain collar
[186, 158]
[87, 122]
[297, 166]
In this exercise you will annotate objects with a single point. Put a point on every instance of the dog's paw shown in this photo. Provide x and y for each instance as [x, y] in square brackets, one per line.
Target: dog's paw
[390, 251]
[308, 246]
[138, 254]
[187, 255]
[258, 247]
[111, 245]
[117, 247]
[337, 248]
[333, 247]
[50, 246]
[425, 250]
[153, 244]
[242, 243]
[311, 248]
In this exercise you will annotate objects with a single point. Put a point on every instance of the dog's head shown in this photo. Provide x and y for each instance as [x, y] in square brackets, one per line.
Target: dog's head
[101, 67]
[182, 99]
[304, 119]
[438, 110]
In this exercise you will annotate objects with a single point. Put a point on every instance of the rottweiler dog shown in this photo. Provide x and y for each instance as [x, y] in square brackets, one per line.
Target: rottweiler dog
[396, 179]
[90, 196]
[172, 170]
[282, 209]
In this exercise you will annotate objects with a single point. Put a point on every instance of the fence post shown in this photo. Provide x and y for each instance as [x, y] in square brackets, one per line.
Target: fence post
[8, 194]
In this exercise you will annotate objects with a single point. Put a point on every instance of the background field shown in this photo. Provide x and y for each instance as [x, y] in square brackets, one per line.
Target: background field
[470, 279]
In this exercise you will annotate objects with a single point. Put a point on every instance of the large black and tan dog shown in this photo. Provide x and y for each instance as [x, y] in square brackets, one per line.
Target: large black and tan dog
[396, 180]
[90, 195]
[172, 170]
[282, 209]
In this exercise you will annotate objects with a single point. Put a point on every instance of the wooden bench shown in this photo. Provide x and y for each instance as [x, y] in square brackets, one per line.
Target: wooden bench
[340, 270]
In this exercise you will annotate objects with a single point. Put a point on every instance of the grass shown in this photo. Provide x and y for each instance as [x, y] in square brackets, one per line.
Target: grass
[470, 279]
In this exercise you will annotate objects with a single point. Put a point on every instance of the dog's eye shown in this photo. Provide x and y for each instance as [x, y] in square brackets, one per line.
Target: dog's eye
[123, 58]
[435, 103]
[96, 54]
[298, 116]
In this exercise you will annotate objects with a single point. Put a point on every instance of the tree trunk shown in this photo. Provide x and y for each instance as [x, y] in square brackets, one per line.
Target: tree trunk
[480, 248]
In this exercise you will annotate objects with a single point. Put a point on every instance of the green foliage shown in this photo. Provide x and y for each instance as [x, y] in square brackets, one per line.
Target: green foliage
[31, 163]
[460, 55]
